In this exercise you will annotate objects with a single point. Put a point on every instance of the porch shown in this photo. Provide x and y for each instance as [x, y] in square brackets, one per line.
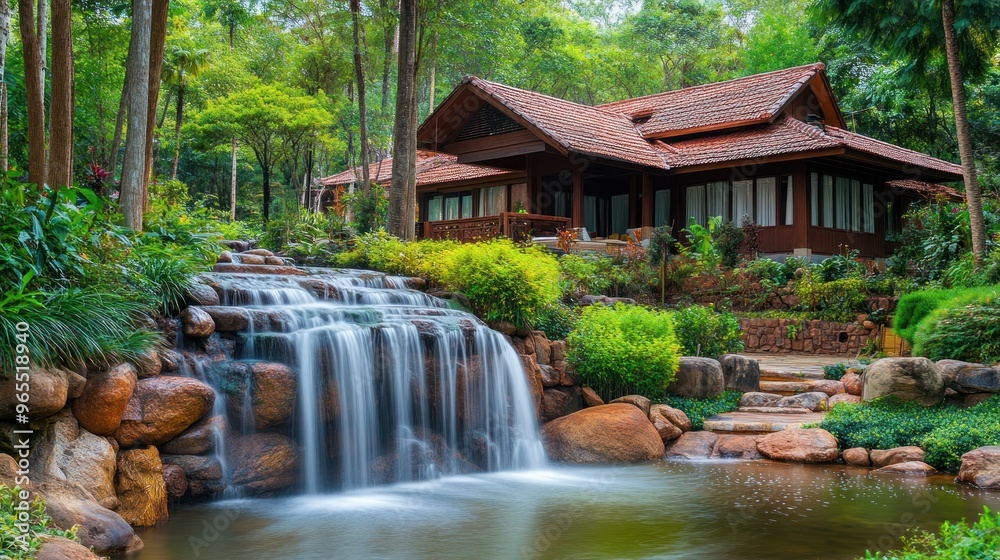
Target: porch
[514, 225]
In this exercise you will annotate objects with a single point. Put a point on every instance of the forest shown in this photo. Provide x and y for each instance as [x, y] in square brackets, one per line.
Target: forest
[256, 99]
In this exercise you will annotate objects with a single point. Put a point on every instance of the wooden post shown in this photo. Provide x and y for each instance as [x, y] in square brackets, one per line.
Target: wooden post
[633, 201]
[577, 198]
[647, 200]
[800, 198]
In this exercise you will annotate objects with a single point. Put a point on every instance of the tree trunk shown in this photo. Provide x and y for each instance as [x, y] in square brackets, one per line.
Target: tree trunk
[41, 32]
[134, 163]
[389, 38]
[157, 44]
[179, 118]
[402, 199]
[34, 94]
[433, 73]
[61, 104]
[973, 196]
[116, 143]
[359, 76]
[232, 187]
[266, 170]
[4, 38]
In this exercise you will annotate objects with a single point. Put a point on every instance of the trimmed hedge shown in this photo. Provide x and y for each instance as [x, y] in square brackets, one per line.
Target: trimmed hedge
[914, 307]
[969, 333]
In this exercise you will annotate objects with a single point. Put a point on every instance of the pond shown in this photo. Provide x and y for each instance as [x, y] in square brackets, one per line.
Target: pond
[719, 510]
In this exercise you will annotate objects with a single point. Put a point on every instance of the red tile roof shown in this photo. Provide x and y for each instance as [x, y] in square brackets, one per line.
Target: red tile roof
[432, 168]
[926, 189]
[879, 148]
[752, 98]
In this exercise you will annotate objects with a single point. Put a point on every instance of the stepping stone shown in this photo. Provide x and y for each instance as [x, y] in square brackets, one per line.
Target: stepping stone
[787, 387]
[789, 375]
[775, 409]
[758, 422]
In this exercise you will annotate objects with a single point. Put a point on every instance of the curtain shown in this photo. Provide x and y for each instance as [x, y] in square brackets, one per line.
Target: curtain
[843, 203]
[466, 205]
[451, 207]
[590, 213]
[562, 204]
[742, 201]
[619, 213]
[696, 204]
[869, 208]
[827, 201]
[855, 205]
[434, 213]
[493, 200]
[789, 207]
[661, 208]
[718, 199]
[814, 197]
[767, 201]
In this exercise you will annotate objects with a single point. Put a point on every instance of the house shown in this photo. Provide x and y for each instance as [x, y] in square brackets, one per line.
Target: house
[772, 148]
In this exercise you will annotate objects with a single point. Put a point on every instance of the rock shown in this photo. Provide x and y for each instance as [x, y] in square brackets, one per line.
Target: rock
[172, 360]
[148, 364]
[740, 373]
[964, 377]
[101, 406]
[199, 439]
[558, 350]
[105, 531]
[568, 377]
[635, 400]
[202, 294]
[668, 430]
[48, 390]
[560, 401]
[916, 468]
[204, 474]
[736, 447]
[675, 416]
[229, 319]
[241, 268]
[534, 379]
[505, 327]
[74, 385]
[693, 445]
[550, 377]
[142, 493]
[857, 456]
[829, 386]
[71, 454]
[224, 257]
[852, 383]
[612, 433]
[886, 457]
[591, 398]
[258, 252]
[8, 472]
[197, 322]
[245, 258]
[759, 400]
[799, 445]
[972, 399]
[698, 378]
[60, 548]
[543, 348]
[236, 245]
[174, 481]
[162, 407]
[814, 401]
[264, 463]
[272, 394]
[842, 398]
[910, 379]
[981, 467]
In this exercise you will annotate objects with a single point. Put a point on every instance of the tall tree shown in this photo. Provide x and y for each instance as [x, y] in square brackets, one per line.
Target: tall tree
[359, 76]
[4, 38]
[184, 63]
[157, 44]
[403, 191]
[61, 104]
[137, 76]
[33, 92]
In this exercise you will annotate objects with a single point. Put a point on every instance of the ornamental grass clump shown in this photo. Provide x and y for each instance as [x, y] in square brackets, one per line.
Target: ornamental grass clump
[624, 349]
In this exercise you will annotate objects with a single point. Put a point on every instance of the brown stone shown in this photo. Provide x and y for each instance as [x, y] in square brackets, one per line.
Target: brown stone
[675, 416]
[149, 364]
[910, 379]
[543, 348]
[814, 401]
[203, 474]
[272, 394]
[550, 377]
[914, 468]
[101, 405]
[229, 319]
[533, 376]
[560, 401]
[698, 378]
[202, 294]
[981, 467]
[245, 258]
[48, 389]
[258, 252]
[799, 445]
[857, 456]
[852, 383]
[639, 401]
[199, 439]
[693, 445]
[74, 385]
[142, 493]
[70, 504]
[264, 463]
[736, 447]
[162, 407]
[67, 452]
[842, 398]
[886, 457]
[611, 433]
[759, 399]
[257, 269]
[197, 322]
[61, 548]
[558, 350]
[828, 386]
[175, 481]
[591, 398]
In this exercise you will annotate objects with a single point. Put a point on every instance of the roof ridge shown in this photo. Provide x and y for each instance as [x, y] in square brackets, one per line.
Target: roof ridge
[848, 135]
[796, 88]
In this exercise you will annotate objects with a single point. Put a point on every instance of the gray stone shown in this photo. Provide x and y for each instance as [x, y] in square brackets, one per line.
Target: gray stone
[964, 377]
[981, 467]
[741, 373]
[909, 379]
[814, 401]
[202, 294]
[698, 378]
[759, 399]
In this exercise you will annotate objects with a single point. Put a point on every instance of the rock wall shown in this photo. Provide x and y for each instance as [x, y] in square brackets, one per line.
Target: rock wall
[810, 337]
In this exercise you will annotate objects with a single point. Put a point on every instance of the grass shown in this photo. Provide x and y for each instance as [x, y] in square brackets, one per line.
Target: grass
[699, 409]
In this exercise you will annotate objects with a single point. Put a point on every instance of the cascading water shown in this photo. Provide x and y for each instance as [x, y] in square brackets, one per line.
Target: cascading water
[392, 385]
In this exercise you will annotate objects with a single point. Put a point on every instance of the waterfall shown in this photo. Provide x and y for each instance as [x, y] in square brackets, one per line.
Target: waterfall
[392, 385]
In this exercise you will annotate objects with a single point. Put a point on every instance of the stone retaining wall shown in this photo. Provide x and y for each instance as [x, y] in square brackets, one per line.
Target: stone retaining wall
[813, 337]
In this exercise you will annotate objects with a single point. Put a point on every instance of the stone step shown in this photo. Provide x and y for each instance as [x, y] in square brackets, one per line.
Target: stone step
[786, 388]
[788, 375]
[759, 422]
[775, 409]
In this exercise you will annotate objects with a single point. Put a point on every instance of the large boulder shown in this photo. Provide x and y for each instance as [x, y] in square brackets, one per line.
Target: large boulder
[560, 401]
[963, 377]
[48, 389]
[199, 439]
[909, 379]
[612, 433]
[912, 468]
[857, 456]
[203, 475]
[981, 467]
[229, 319]
[698, 378]
[175, 481]
[272, 389]
[740, 372]
[639, 401]
[69, 453]
[148, 364]
[202, 294]
[829, 387]
[799, 445]
[814, 401]
[142, 492]
[105, 396]
[197, 322]
[664, 426]
[693, 445]
[162, 407]
[736, 446]
[675, 416]
[105, 531]
[885, 457]
[61, 548]
[264, 463]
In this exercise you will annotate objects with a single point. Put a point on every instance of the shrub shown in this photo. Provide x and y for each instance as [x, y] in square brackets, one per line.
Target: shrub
[557, 321]
[661, 245]
[914, 307]
[503, 282]
[970, 333]
[702, 331]
[953, 541]
[834, 371]
[728, 240]
[624, 349]
[944, 431]
[698, 410]
[838, 300]
[582, 274]
[40, 526]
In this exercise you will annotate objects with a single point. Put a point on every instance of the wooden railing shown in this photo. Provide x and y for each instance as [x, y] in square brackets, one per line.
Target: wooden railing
[508, 224]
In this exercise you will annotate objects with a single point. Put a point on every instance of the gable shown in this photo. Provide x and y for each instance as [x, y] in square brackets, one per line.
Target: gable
[488, 121]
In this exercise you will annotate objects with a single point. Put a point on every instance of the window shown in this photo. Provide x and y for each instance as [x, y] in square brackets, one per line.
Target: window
[868, 203]
[842, 203]
[789, 206]
[434, 209]
[452, 204]
[562, 204]
[754, 199]
[814, 197]
[590, 213]
[718, 199]
[827, 201]
[492, 200]
[619, 213]
[742, 201]
[661, 208]
[696, 204]
[467, 205]
[767, 202]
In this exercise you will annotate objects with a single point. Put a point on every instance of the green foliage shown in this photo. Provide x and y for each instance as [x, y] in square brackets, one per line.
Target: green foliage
[556, 321]
[701, 245]
[40, 525]
[944, 431]
[370, 207]
[915, 307]
[661, 245]
[954, 541]
[728, 240]
[834, 371]
[624, 349]
[969, 333]
[582, 274]
[704, 331]
[698, 410]
[839, 300]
